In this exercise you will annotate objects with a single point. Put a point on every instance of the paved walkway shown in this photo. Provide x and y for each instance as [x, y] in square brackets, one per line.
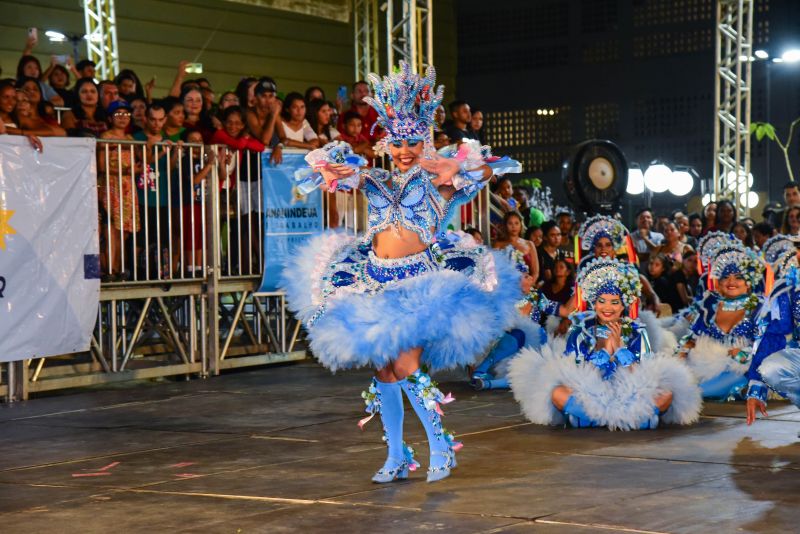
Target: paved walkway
[278, 450]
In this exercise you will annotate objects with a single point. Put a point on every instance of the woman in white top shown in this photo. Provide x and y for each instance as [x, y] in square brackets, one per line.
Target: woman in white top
[297, 132]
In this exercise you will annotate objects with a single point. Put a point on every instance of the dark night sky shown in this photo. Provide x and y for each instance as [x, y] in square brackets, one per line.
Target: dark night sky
[638, 72]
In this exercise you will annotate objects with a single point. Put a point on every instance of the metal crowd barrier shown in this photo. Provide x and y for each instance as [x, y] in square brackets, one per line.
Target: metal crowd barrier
[181, 252]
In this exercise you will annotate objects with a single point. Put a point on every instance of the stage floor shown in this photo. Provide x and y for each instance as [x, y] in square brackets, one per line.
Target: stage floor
[278, 450]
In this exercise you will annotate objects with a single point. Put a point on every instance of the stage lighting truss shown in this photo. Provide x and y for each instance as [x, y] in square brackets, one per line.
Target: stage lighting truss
[734, 32]
[101, 37]
[409, 35]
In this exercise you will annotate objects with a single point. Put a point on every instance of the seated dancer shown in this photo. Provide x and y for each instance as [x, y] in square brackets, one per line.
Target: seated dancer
[394, 298]
[606, 375]
[719, 345]
[776, 362]
[681, 321]
[601, 237]
[491, 372]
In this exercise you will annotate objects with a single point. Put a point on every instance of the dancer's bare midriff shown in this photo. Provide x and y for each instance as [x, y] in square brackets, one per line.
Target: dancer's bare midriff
[397, 242]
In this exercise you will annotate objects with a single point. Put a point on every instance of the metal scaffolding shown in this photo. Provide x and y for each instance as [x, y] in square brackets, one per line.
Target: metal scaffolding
[409, 35]
[366, 22]
[101, 37]
[733, 90]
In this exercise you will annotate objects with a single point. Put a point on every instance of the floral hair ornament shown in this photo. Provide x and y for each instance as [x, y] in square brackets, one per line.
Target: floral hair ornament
[518, 259]
[406, 103]
[613, 277]
[335, 152]
[738, 261]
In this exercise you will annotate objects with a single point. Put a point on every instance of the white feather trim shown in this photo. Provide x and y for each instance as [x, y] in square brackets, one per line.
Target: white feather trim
[622, 403]
[709, 358]
[661, 339]
[551, 324]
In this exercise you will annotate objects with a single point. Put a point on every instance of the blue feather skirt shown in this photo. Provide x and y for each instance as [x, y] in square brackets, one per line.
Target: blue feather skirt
[361, 310]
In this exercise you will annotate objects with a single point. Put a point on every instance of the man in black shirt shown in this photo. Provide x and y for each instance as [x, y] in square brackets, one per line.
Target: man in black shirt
[458, 127]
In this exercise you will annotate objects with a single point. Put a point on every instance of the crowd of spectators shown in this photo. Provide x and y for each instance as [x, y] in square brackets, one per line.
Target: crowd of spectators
[664, 243]
[67, 100]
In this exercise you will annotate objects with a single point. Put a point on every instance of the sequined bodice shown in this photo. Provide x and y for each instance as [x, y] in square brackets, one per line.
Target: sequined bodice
[706, 325]
[408, 200]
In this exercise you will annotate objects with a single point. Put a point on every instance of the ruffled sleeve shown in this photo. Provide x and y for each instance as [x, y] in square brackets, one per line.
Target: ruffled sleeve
[336, 152]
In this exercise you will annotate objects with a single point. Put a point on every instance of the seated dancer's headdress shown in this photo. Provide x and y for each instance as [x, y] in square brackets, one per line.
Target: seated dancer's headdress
[738, 260]
[710, 243]
[784, 262]
[613, 277]
[775, 246]
[406, 103]
[602, 226]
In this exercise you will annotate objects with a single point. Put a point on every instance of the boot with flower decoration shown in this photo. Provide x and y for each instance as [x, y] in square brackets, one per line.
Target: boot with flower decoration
[386, 398]
[426, 399]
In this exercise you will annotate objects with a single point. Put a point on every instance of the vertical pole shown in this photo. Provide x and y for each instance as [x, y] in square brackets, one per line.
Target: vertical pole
[213, 268]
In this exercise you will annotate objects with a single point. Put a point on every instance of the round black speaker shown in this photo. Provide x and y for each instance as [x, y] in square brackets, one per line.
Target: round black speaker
[595, 177]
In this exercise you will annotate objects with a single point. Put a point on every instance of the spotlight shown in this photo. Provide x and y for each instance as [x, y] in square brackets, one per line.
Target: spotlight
[791, 56]
[55, 37]
[538, 111]
[708, 198]
[552, 112]
[681, 182]
[749, 200]
[657, 176]
[742, 58]
[777, 60]
[635, 181]
[762, 54]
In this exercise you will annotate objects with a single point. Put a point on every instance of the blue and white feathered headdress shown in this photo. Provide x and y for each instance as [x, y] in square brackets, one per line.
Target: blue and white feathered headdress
[710, 243]
[406, 102]
[613, 277]
[775, 246]
[602, 226]
[738, 260]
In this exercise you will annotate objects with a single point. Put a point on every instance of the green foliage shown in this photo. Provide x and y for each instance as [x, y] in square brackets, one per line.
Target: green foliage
[761, 129]
[533, 183]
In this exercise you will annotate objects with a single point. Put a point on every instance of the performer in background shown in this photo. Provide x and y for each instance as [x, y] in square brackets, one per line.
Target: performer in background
[776, 362]
[606, 374]
[400, 298]
[719, 346]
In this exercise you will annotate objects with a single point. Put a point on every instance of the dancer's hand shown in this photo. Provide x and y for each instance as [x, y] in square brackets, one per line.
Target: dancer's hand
[333, 172]
[443, 168]
[752, 404]
[615, 337]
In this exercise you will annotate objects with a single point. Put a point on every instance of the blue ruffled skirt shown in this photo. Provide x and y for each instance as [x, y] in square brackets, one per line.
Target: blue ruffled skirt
[361, 310]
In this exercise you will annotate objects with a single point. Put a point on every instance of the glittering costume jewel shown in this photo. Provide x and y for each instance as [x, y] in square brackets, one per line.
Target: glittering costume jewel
[734, 304]
[426, 398]
[386, 398]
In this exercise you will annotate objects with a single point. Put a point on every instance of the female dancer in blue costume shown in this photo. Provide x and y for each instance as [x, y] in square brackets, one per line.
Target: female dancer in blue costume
[776, 362]
[605, 374]
[395, 298]
[680, 323]
[601, 236]
[719, 346]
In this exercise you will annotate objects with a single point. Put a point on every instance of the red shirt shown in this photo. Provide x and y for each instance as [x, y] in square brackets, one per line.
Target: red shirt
[221, 137]
[366, 123]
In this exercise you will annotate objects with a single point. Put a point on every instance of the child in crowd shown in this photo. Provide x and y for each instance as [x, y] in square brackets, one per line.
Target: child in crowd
[195, 165]
[353, 135]
[659, 267]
